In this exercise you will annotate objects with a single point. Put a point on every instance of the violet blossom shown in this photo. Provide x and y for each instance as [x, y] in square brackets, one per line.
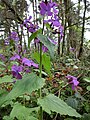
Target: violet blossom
[44, 49]
[48, 8]
[29, 25]
[45, 8]
[73, 81]
[14, 36]
[29, 63]
[16, 71]
[16, 56]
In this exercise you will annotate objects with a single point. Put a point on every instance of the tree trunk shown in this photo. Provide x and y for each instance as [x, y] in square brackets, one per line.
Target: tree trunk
[63, 43]
[83, 30]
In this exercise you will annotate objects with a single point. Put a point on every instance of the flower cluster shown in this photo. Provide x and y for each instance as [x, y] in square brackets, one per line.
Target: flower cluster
[73, 81]
[24, 66]
[29, 25]
[50, 9]
[13, 36]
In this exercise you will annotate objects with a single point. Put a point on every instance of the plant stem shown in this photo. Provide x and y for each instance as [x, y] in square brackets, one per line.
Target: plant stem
[40, 93]
[40, 68]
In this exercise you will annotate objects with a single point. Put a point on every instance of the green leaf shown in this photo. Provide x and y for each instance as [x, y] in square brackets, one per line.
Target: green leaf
[29, 83]
[7, 118]
[3, 94]
[6, 79]
[87, 79]
[2, 64]
[86, 116]
[33, 35]
[88, 88]
[36, 56]
[45, 61]
[72, 102]
[22, 113]
[47, 43]
[55, 104]
[78, 95]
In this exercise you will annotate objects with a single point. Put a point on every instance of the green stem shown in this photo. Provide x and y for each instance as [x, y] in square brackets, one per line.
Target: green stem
[40, 68]
[40, 93]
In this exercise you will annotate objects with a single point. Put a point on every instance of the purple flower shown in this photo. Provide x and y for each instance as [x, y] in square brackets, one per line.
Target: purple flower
[45, 8]
[14, 36]
[28, 24]
[48, 8]
[16, 56]
[36, 40]
[26, 62]
[34, 64]
[44, 49]
[54, 21]
[29, 63]
[73, 81]
[2, 57]
[15, 71]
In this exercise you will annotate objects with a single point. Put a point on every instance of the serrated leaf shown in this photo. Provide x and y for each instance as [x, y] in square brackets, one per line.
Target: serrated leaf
[6, 79]
[55, 104]
[29, 83]
[88, 88]
[22, 113]
[87, 79]
[47, 43]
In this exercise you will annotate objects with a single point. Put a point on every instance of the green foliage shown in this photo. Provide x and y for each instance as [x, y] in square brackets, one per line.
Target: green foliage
[2, 64]
[87, 79]
[55, 104]
[86, 117]
[72, 102]
[48, 44]
[29, 83]
[88, 88]
[22, 113]
[45, 61]
[3, 94]
[6, 79]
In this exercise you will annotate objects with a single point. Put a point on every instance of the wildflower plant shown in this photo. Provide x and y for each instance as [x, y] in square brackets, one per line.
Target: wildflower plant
[31, 81]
